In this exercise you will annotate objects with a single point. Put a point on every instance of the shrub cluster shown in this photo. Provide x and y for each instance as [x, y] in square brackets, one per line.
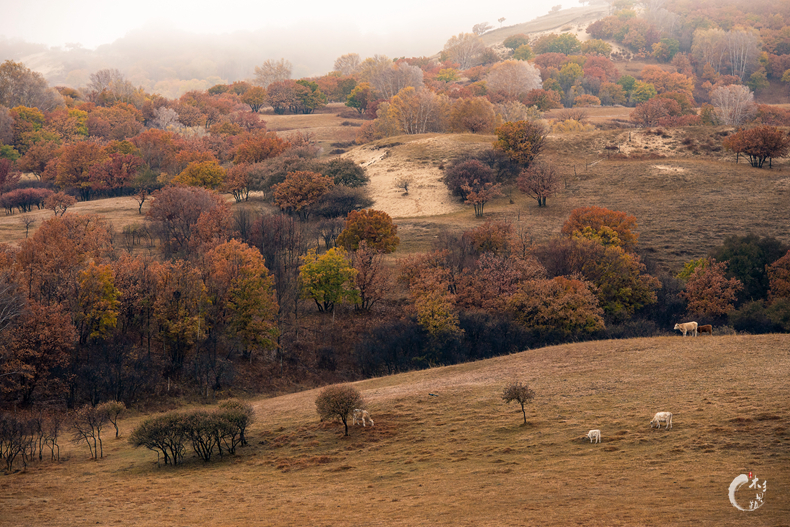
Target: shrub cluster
[220, 431]
[24, 199]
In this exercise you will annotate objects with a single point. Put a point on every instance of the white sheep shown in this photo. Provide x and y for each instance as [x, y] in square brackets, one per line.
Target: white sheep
[660, 417]
[594, 435]
[361, 415]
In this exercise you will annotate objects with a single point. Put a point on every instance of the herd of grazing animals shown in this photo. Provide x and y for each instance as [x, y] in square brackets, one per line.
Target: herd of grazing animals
[594, 435]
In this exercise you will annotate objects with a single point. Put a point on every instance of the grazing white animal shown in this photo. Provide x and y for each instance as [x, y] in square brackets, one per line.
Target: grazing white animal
[594, 435]
[688, 326]
[660, 417]
[362, 415]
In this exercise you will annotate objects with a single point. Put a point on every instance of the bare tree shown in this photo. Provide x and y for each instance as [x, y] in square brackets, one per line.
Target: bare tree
[464, 49]
[519, 392]
[390, 78]
[103, 79]
[734, 104]
[27, 221]
[165, 117]
[743, 47]
[513, 78]
[710, 47]
[86, 424]
[113, 410]
[272, 71]
[479, 29]
[12, 301]
[348, 63]
[404, 182]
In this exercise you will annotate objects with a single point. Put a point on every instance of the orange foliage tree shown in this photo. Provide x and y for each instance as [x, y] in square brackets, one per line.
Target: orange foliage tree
[300, 190]
[374, 227]
[760, 144]
[521, 141]
[259, 147]
[241, 292]
[709, 292]
[563, 304]
[779, 278]
[608, 226]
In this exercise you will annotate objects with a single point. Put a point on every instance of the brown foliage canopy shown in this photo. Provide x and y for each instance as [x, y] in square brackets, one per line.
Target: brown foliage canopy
[709, 292]
[338, 402]
[300, 190]
[521, 141]
[761, 144]
[374, 227]
[600, 219]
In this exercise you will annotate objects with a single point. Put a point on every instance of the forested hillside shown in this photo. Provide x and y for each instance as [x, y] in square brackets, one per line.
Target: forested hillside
[255, 258]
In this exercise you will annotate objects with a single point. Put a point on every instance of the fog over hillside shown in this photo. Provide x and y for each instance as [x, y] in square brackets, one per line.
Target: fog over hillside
[175, 47]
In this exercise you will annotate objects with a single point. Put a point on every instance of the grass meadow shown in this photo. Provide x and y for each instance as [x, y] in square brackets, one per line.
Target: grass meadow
[463, 457]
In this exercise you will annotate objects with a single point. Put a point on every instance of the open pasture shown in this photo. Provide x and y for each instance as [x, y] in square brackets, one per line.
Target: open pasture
[463, 457]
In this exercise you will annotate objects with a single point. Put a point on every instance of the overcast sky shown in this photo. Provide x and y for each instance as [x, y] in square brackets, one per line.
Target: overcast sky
[95, 22]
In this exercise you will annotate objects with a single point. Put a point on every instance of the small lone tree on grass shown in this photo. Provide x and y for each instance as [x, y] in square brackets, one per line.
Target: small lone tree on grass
[338, 402]
[519, 392]
[113, 409]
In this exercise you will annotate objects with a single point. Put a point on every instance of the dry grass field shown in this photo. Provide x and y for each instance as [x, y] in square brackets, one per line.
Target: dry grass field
[463, 457]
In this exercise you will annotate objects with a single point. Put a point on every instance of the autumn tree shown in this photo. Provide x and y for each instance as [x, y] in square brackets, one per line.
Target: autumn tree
[563, 304]
[519, 392]
[360, 97]
[748, 258]
[621, 284]
[607, 226]
[708, 292]
[36, 351]
[179, 310]
[115, 173]
[760, 144]
[374, 227]
[59, 203]
[300, 191]
[206, 174]
[259, 147]
[478, 194]
[345, 172]
[521, 141]
[255, 98]
[113, 410]
[175, 212]
[98, 302]
[539, 181]
[327, 279]
[272, 71]
[338, 402]
[473, 114]
[649, 113]
[86, 424]
[513, 42]
[372, 275]
[241, 291]
[779, 278]
[460, 175]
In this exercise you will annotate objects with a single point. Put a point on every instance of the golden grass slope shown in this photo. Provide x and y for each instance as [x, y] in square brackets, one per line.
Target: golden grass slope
[464, 457]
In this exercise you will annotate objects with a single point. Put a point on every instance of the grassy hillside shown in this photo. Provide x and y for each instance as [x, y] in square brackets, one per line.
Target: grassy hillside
[464, 457]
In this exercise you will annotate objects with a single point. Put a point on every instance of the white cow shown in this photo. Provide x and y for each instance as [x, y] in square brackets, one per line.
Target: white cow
[594, 435]
[660, 417]
[688, 326]
[362, 415]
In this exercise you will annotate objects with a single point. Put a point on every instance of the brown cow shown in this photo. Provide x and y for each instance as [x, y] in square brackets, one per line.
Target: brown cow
[707, 328]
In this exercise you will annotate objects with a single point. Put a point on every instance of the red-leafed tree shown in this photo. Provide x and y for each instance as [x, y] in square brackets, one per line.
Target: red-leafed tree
[709, 292]
[300, 191]
[259, 147]
[539, 181]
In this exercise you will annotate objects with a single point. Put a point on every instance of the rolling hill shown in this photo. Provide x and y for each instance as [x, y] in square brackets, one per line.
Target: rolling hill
[463, 457]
